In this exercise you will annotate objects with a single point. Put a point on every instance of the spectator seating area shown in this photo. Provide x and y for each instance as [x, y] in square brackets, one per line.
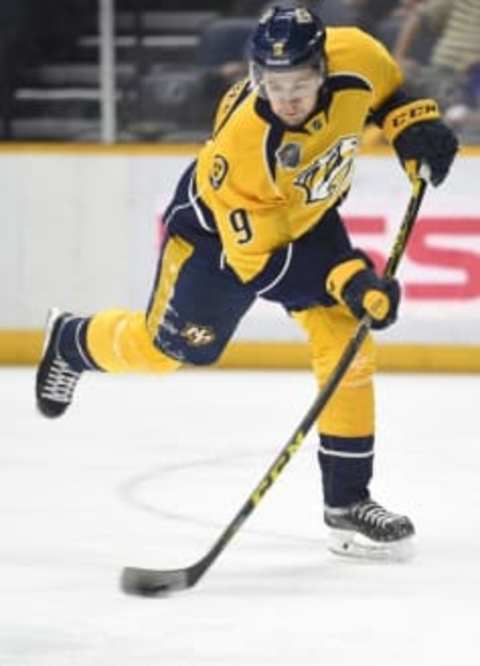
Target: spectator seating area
[171, 64]
[162, 80]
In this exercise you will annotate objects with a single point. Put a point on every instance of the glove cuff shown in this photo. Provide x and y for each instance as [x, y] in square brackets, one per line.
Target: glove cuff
[409, 114]
[341, 274]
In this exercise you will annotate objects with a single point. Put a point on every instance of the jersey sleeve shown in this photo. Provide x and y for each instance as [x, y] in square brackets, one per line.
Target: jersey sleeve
[354, 51]
[229, 102]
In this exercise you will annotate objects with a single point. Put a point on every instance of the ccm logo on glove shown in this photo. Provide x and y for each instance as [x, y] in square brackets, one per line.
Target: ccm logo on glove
[399, 119]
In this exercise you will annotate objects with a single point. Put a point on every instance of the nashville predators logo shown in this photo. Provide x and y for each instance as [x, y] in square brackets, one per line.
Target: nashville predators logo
[278, 49]
[330, 175]
[218, 171]
[198, 335]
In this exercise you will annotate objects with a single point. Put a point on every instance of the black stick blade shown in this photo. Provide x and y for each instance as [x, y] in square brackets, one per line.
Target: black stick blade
[153, 583]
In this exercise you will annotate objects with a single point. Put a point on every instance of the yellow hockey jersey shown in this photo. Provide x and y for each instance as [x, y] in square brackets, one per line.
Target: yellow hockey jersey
[267, 184]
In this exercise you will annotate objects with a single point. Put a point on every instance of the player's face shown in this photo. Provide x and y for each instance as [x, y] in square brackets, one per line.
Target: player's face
[292, 94]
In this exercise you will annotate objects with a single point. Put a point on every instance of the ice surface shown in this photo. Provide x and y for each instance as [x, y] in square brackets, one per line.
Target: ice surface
[147, 471]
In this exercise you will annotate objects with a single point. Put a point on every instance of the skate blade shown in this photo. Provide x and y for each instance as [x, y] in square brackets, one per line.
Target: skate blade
[356, 546]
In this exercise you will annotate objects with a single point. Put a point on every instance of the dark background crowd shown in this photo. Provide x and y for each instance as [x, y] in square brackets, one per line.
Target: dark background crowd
[173, 63]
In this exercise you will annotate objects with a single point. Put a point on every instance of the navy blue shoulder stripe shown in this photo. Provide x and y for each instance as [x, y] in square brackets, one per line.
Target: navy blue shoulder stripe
[338, 82]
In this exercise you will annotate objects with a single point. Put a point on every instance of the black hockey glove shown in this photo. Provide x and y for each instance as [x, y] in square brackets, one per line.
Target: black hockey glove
[430, 142]
[366, 293]
[419, 136]
[354, 283]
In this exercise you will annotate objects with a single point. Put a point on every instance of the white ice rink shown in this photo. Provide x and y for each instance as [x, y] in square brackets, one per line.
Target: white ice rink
[148, 471]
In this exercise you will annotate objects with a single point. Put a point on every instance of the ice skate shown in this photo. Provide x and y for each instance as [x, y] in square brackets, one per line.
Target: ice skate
[56, 379]
[366, 530]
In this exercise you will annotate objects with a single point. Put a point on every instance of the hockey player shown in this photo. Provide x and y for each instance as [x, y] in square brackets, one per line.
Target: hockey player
[256, 215]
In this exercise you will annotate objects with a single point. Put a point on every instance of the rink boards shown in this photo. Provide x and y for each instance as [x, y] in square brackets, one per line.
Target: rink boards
[80, 230]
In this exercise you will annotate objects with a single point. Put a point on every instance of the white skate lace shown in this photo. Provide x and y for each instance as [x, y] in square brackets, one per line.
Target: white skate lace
[373, 513]
[60, 382]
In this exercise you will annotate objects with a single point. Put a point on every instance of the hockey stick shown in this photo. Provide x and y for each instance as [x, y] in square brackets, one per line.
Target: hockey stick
[154, 582]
